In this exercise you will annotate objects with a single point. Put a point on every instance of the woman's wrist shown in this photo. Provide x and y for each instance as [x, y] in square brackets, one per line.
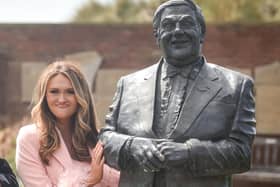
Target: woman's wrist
[93, 179]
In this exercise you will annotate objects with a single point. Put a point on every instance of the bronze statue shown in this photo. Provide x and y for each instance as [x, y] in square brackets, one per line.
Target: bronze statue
[182, 121]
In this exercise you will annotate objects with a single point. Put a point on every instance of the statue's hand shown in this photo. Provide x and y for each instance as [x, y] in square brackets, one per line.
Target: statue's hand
[174, 153]
[144, 151]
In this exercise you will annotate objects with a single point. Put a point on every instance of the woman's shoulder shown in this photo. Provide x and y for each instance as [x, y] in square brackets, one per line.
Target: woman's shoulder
[28, 132]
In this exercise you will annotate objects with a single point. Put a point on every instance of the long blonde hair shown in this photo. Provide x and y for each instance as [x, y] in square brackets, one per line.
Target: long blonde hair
[84, 132]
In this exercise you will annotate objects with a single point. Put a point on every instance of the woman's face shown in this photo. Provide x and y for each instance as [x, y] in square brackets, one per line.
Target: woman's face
[61, 98]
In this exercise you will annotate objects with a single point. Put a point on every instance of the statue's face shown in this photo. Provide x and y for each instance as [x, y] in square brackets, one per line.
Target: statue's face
[179, 35]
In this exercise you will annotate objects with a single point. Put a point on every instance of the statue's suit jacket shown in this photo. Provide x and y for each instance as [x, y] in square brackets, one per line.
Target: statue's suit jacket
[217, 118]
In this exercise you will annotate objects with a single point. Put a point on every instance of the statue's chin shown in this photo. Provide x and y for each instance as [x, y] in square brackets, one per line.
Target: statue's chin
[181, 59]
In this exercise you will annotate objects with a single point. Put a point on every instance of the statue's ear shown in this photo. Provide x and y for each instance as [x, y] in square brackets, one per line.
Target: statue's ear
[201, 40]
[158, 41]
[156, 35]
[202, 37]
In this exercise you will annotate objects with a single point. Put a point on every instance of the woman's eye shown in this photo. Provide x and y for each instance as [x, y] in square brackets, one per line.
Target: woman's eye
[53, 91]
[71, 91]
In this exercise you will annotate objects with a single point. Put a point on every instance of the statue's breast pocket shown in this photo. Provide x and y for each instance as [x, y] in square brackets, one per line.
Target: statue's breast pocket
[224, 98]
[215, 121]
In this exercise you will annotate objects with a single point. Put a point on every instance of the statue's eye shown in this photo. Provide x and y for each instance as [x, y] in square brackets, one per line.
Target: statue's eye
[186, 23]
[168, 25]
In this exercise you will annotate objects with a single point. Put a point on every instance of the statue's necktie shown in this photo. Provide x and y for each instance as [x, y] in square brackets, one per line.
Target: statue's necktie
[175, 84]
[177, 87]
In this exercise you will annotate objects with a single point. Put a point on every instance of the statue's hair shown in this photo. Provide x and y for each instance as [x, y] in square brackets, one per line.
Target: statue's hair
[84, 132]
[188, 3]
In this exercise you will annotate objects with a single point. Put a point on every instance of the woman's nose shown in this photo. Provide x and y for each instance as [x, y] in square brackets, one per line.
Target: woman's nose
[61, 98]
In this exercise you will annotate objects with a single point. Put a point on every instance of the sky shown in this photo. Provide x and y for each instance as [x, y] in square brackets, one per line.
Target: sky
[39, 11]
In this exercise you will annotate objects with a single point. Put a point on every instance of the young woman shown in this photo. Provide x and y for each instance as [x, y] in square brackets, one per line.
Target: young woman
[61, 147]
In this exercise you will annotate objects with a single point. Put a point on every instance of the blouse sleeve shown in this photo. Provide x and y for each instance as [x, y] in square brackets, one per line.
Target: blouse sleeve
[29, 167]
[110, 177]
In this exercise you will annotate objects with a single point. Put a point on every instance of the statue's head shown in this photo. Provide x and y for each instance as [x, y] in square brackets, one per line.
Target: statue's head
[179, 28]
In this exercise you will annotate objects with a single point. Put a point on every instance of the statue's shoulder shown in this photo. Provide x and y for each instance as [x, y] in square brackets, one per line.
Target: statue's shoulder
[142, 74]
[228, 73]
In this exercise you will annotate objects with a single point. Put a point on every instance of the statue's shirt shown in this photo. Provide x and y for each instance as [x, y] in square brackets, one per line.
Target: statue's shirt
[172, 83]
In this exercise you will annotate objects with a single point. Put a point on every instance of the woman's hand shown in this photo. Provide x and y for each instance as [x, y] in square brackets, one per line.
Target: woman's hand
[97, 164]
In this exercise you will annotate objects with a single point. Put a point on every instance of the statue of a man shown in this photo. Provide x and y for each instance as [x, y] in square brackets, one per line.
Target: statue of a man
[182, 121]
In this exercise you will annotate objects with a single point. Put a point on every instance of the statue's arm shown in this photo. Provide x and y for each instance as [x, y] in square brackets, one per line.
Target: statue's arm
[122, 150]
[112, 140]
[231, 155]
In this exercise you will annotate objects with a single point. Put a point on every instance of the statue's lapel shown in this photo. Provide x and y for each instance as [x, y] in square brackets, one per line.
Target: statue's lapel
[204, 89]
[146, 99]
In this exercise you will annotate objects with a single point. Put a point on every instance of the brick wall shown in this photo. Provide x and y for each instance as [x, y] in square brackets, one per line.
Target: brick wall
[122, 47]
[133, 46]
[3, 67]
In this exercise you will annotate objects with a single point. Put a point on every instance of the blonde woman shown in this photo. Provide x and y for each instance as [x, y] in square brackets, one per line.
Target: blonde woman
[61, 148]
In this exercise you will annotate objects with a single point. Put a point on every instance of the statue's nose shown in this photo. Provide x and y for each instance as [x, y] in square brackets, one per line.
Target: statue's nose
[178, 29]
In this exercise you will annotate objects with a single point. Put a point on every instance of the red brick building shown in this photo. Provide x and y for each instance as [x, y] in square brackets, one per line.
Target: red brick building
[134, 47]
[124, 46]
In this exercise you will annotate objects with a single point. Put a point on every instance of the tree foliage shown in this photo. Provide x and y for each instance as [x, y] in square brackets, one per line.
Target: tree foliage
[215, 11]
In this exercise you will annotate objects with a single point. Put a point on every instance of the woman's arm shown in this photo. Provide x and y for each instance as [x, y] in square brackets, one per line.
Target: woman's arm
[28, 163]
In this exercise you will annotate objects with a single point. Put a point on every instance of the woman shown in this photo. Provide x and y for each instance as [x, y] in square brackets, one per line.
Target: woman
[58, 149]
